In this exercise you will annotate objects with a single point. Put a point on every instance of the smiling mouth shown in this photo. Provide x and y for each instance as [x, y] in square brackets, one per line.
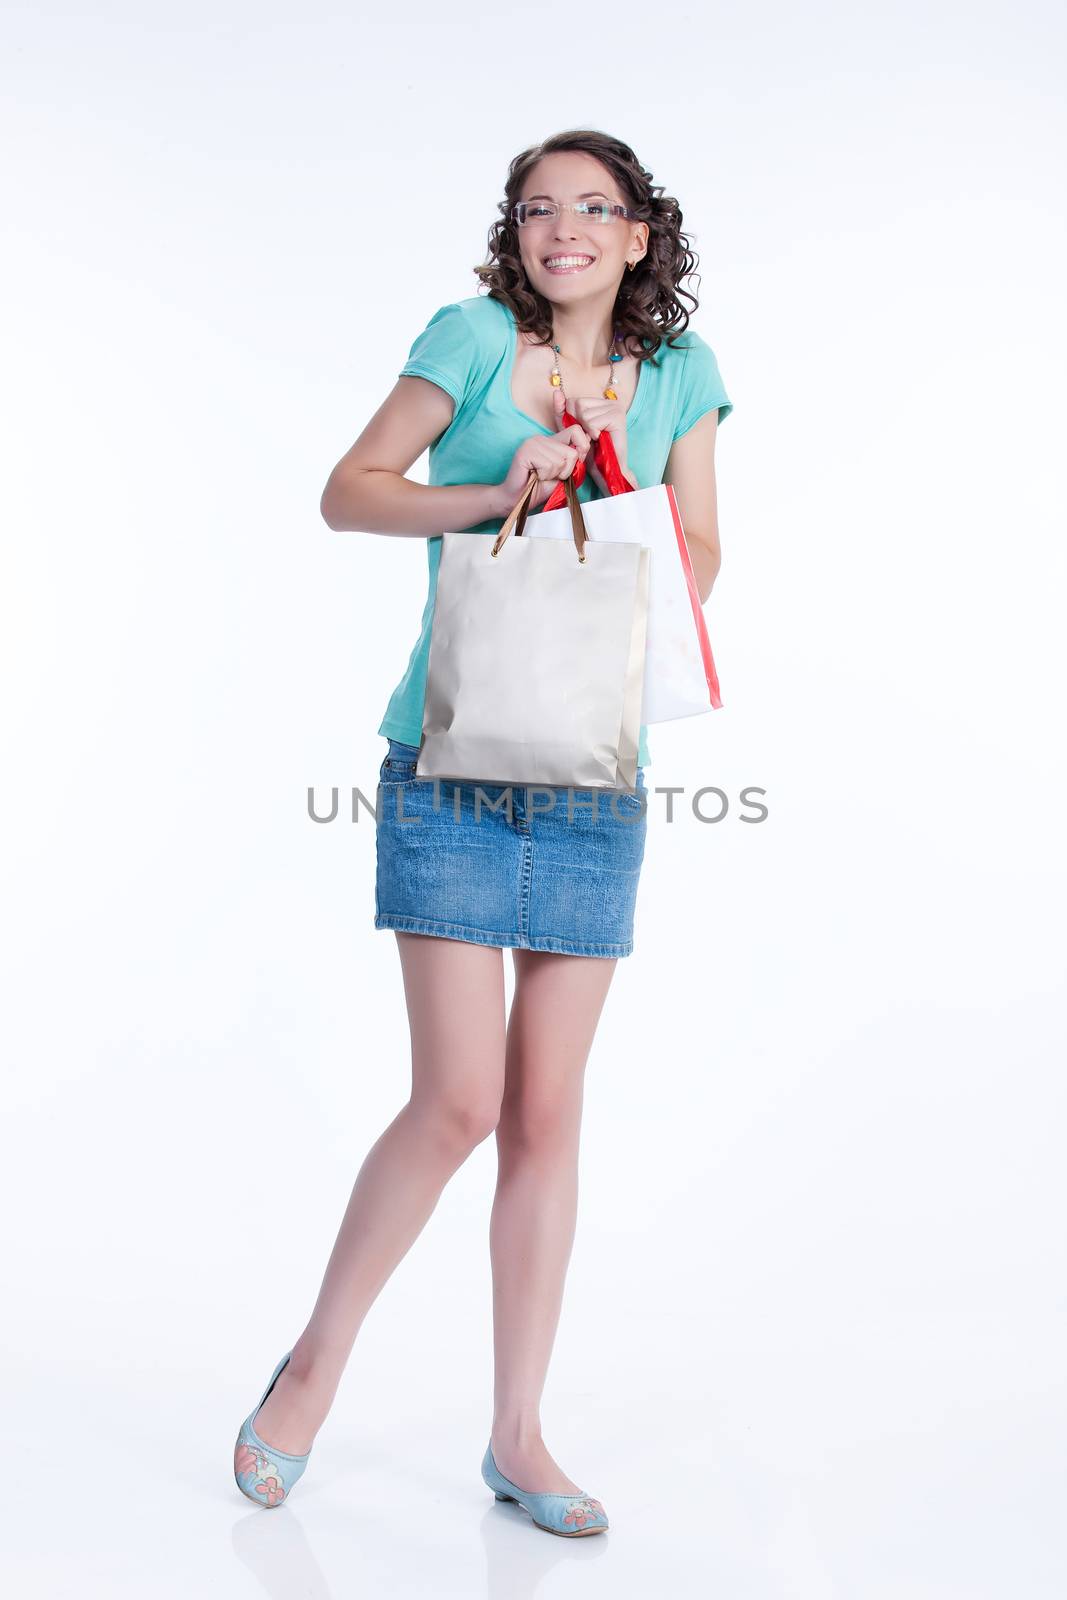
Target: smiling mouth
[577, 262]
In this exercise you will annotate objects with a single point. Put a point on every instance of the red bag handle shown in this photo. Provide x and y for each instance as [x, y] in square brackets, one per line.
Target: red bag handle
[606, 459]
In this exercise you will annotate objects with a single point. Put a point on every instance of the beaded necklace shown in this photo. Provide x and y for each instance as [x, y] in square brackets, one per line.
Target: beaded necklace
[556, 380]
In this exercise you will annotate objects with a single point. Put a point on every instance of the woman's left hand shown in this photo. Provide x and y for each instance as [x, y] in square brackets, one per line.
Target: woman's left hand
[597, 415]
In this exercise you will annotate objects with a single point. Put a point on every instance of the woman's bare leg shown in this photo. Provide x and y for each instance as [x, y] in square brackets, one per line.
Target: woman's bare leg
[455, 1002]
[554, 1014]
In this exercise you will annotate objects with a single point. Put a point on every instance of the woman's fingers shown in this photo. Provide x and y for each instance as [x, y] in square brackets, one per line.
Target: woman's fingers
[578, 437]
[557, 465]
[553, 457]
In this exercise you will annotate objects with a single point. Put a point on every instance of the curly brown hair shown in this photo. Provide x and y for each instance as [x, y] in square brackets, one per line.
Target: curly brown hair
[648, 306]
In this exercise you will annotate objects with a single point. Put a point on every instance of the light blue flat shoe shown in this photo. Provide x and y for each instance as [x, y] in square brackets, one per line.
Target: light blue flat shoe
[264, 1474]
[566, 1514]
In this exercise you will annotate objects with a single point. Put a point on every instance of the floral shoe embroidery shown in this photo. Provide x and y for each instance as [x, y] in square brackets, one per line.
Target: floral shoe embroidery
[271, 1489]
[583, 1512]
[266, 1473]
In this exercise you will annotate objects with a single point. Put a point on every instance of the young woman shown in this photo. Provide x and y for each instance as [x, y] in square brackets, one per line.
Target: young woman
[583, 278]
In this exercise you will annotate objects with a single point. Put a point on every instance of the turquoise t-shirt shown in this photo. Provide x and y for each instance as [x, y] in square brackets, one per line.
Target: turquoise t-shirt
[468, 349]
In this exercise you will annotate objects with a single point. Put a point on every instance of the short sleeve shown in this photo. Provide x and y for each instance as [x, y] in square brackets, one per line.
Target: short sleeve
[701, 387]
[445, 352]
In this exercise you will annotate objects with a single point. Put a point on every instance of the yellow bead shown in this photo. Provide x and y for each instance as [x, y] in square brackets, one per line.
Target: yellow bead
[556, 380]
[609, 394]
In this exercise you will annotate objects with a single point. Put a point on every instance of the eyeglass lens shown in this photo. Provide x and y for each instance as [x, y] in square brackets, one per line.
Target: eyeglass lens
[597, 211]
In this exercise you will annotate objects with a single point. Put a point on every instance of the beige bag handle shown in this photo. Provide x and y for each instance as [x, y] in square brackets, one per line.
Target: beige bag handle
[516, 517]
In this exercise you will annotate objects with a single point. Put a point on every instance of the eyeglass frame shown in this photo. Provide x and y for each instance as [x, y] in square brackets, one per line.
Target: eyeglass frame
[568, 205]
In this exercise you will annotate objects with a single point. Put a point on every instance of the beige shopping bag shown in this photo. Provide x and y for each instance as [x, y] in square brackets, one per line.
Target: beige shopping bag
[537, 657]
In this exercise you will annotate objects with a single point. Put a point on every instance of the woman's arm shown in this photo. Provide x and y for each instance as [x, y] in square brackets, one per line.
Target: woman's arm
[691, 469]
[367, 491]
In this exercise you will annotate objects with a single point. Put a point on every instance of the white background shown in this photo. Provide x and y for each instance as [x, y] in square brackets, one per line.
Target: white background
[812, 1339]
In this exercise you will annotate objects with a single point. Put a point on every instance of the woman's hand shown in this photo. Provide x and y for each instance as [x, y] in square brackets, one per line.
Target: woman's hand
[597, 416]
[552, 455]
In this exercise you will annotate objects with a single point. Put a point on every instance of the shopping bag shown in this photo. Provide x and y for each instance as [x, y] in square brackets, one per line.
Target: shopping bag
[537, 657]
[680, 676]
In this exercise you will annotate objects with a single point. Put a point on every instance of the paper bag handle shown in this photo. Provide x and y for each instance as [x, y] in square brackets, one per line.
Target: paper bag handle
[516, 517]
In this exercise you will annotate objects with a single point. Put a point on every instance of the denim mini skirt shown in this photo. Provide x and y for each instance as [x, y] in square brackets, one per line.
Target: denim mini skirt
[507, 864]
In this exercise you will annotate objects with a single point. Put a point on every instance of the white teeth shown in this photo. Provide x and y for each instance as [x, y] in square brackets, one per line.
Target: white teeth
[569, 261]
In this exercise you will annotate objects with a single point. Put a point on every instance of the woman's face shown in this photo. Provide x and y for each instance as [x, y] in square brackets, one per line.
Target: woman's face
[604, 248]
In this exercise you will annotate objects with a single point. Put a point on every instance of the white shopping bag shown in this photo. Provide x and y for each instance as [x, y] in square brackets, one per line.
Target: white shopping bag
[680, 677]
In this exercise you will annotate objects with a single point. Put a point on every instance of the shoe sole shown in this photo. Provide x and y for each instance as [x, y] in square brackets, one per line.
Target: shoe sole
[571, 1533]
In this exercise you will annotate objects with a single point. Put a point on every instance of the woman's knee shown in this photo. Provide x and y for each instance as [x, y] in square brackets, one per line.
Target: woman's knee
[459, 1122]
[537, 1120]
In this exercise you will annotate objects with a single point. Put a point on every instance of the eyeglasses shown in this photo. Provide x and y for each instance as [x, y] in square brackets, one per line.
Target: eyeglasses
[596, 211]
